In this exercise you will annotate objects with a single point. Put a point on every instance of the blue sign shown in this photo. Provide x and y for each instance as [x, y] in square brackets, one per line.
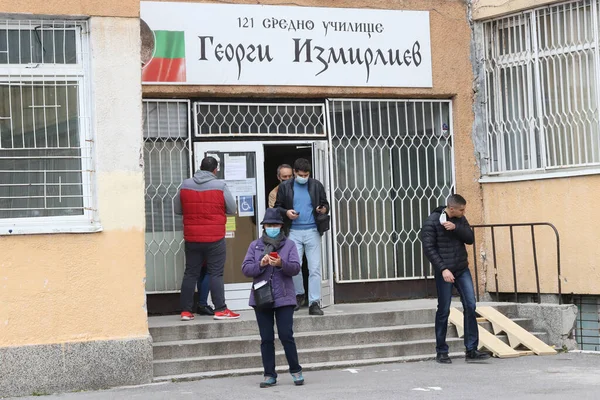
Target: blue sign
[246, 206]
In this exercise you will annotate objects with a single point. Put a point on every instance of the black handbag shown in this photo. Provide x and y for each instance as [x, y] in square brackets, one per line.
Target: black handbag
[263, 296]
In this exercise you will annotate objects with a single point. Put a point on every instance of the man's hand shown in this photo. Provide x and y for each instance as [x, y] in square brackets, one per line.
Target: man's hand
[265, 261]
[292, 214]
[449, 226]
[448, 276]
[321, 209]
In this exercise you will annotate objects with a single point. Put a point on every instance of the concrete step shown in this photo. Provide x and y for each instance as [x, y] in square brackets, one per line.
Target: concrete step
[308, 340]
[304, 340]
[310, 356]
[305, 367]
[202, 328]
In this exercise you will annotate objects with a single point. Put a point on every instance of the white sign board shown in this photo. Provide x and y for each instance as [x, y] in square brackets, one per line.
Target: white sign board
[235, 44]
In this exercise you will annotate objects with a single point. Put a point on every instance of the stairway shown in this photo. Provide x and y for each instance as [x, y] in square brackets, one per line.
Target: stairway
[354, 336]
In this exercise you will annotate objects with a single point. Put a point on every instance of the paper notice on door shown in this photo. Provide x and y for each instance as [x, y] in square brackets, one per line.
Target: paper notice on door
[230, 225]
[245, 187]
[235, 167]
[229, 235]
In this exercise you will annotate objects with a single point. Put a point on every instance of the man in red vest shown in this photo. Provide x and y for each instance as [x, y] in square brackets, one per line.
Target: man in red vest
[204, 201]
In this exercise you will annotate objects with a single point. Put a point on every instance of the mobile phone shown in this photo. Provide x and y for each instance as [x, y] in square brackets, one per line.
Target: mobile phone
[273, 254]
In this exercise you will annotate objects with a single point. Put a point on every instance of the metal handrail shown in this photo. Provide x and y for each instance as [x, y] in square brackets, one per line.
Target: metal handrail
[512, 249]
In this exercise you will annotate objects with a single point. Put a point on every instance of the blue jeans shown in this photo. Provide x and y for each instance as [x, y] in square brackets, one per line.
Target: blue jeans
[309, 242]
[285, 330]
[203, 286]
[464, 284]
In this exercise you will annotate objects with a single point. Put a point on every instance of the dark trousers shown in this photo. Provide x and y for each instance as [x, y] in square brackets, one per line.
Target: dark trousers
[195, 255]
[464, 285]
[203, 287]
[285, 330]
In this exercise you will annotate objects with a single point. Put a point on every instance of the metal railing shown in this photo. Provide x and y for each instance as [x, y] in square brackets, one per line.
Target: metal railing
[511, 227]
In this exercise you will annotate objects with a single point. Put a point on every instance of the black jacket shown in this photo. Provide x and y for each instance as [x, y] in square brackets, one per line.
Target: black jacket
[318, 197]
[446, 249]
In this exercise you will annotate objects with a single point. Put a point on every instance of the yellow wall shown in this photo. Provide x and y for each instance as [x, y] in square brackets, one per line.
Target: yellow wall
[79, 287]
[569, 204]
[485, 9]
[105, 8]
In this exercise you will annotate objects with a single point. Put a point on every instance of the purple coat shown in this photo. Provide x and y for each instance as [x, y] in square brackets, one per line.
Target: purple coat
[283, 285]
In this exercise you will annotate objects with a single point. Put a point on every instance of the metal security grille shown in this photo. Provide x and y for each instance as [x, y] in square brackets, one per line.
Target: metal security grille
[46, 144]
[587, 327]
[166, 165]
[542, 88]
[392, 165]
[259, 119]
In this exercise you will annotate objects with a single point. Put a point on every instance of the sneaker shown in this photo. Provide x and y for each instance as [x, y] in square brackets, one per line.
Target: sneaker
[205, 310]
[298, 378]
[268, 382]
[226, 314]
[476, 355]
[315, 309]
[443, 358]
[187, 316]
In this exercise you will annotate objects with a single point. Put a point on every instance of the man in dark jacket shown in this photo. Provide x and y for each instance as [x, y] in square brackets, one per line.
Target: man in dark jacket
[303, 204]
[204, 202]
[444, 235]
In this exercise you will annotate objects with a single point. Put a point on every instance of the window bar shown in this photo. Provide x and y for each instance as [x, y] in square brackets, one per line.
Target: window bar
[367, 194]
[596, 79]
[351, 194]
[538, 90]
[377, 190]
[360, 187]
[412, 185]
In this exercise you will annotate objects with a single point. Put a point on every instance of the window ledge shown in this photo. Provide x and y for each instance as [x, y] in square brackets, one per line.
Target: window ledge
[33, 228]
[537, 175]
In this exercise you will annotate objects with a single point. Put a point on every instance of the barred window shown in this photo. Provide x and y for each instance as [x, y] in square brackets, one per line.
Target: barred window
[542, 89]
[45, 139]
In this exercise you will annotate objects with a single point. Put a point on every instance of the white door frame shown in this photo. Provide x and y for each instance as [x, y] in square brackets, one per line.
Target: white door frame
[237, 294]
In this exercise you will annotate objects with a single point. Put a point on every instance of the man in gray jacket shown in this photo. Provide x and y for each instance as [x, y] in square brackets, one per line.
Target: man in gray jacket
[204, 201]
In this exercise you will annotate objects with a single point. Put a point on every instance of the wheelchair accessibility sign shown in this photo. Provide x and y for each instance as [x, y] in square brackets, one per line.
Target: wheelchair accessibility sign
[246, 206]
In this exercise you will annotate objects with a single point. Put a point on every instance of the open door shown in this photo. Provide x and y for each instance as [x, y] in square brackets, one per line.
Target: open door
[241, 166]
[321, 173]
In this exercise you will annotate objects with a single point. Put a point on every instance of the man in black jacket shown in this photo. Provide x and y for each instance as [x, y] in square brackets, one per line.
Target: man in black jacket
[303, 204]
[444, 235]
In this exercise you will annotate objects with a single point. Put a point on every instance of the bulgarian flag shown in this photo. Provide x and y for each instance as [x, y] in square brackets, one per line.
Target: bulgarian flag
[168, 60]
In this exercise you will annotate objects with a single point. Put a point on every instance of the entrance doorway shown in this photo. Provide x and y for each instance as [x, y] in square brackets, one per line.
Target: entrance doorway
[250, 170]
[278, 154]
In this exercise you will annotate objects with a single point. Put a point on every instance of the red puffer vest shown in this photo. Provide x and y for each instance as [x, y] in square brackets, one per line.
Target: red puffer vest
[204, 216]
[204, 203]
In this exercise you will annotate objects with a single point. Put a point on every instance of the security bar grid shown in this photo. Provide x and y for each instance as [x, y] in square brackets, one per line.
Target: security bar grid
[392, 165]
[46, 144]
[542, 88]
[259, 119]
[167, 162]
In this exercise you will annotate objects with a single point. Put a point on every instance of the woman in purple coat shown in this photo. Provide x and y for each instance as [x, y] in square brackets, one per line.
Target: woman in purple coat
[261, 265]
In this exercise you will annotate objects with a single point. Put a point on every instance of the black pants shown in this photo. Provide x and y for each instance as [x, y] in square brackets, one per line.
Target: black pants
[285, 330]
[195, 255]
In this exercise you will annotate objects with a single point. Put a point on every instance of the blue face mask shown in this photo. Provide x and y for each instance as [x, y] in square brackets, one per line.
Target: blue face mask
[301, 180]
[272, 232]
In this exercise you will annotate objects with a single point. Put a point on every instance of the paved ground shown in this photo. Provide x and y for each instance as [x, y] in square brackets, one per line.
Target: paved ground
[565, 376]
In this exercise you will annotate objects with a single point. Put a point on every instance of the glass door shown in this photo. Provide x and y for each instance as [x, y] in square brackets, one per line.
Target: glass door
[241, 166]
[321, 173]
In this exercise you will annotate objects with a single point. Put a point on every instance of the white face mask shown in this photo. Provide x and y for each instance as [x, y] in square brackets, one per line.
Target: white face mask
[301, 180]
[443, 217]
